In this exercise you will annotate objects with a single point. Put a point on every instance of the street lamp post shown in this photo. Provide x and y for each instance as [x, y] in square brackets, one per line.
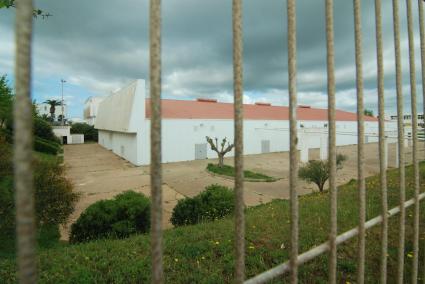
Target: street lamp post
[63, 118]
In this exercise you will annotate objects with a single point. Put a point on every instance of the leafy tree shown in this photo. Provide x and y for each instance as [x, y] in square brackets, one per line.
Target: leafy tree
[368, 112]
[53, 104]
[90, 133]
[6, 102]
[317, 171]
[36, 12]
[221, 149]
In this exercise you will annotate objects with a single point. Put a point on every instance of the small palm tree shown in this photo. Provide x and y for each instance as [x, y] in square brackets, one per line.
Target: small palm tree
[317, 171]
[53, 104]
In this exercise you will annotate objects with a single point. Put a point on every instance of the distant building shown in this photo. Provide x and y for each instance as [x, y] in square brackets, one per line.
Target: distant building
[90, 109]
[43, 109]
[407, 119]
[124, 117]
[64, 134]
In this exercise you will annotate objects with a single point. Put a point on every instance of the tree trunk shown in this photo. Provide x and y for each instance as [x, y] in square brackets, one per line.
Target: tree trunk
[321, 186]
[52, 113]
[220, 160]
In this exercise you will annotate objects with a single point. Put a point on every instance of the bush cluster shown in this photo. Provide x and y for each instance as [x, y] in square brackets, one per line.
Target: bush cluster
[54, 196]
[90, 133]
[128, 213]
[318, 171]
[43, 130]
[6, 184]
[5, 158]
[46, 146]
[213, 203]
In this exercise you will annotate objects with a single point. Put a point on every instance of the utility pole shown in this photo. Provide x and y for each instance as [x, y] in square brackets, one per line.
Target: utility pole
[63, 118]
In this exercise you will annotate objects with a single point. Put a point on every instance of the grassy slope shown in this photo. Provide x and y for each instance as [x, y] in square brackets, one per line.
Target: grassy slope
[227, 170]
[204, 253]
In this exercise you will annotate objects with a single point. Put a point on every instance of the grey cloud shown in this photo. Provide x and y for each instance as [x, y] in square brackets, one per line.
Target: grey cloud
[103, 44]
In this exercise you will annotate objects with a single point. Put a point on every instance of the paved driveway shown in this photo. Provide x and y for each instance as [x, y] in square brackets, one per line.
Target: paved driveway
[99, 174]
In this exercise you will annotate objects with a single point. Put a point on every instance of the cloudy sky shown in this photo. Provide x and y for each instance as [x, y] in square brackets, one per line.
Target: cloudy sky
[100, 45]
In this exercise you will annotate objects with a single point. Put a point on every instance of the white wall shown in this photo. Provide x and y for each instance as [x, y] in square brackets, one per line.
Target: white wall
[77, 139]
[179, 136]
[122, 144]
[61, 131]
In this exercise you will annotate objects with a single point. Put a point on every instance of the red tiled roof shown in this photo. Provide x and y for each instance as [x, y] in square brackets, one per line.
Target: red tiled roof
[182, 109]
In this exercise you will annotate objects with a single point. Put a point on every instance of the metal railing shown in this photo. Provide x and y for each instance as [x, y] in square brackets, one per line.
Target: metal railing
[25, 226]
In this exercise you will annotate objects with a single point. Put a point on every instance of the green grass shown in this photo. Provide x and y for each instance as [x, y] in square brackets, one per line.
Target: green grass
[203, 253]
[229, 171]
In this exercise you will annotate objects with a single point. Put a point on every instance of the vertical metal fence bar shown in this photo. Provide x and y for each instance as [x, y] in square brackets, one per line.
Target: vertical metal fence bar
[396, 24]
[23, 146]
[332, 139]
[414, 138]
[360, 142]
[238, 119]
[155, 167]
[422, 39]
[382, 154]
[293, 152]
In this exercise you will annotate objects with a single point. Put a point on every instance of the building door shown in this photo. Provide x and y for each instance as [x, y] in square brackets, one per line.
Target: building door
[200, 151]
[265, 146]
[64, 140]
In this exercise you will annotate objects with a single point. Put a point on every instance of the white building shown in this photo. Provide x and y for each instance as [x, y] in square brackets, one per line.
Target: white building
[407, 119]
[44, 109]
[91, 107]
[64, 134]
[124, 126]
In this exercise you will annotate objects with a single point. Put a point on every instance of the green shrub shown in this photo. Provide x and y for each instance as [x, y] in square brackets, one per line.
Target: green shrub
[214, 203]
[6, 166]
[227, 170]
[7, 205]
[54, 196]
[128, 213]
[6, 185]
[90, 133]
[43, 129]
[318, 171]
[44, 146]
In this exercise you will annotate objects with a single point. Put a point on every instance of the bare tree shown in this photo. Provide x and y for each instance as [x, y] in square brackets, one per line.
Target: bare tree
[221, 149]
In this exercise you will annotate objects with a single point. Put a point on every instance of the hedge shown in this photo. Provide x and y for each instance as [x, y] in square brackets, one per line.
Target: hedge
[214, 203]
[44, 146]
[128, 213]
